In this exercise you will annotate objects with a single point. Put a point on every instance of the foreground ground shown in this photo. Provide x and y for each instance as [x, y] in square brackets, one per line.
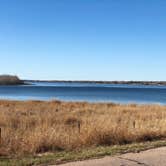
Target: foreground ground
[61, 157]
[153, 157]
[48, 132]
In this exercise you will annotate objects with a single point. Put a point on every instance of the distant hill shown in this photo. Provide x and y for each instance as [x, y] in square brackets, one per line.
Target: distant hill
[10, 80]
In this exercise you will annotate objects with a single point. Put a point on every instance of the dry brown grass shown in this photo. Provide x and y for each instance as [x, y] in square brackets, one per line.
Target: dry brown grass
[30, 127]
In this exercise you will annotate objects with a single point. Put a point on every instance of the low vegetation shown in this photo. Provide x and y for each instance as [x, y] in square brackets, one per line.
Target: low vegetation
[10, 80]
[37, 127]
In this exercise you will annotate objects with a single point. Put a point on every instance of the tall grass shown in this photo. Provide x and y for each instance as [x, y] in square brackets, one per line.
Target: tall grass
[30, 127]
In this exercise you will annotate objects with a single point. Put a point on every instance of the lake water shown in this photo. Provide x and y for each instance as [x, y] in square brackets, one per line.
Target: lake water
[90, 92]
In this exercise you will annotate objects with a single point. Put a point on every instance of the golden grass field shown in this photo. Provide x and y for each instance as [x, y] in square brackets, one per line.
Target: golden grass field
[31, 127]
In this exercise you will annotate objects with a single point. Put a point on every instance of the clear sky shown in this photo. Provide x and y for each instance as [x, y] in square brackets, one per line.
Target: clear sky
[83, 39]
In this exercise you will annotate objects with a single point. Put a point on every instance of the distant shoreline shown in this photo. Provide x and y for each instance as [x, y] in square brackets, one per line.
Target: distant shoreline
[160, 83]
[14, 80]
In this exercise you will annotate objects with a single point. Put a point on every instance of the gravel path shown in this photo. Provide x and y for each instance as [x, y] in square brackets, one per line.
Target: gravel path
[153, 157]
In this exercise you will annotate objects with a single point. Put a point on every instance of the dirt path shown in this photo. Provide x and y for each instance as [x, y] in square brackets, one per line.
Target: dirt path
[153, 157]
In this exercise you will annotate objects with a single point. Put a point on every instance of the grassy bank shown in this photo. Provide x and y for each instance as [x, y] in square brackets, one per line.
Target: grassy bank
[35, 127]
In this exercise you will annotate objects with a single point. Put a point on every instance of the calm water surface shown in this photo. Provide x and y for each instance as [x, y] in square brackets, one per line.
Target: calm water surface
[86, 92]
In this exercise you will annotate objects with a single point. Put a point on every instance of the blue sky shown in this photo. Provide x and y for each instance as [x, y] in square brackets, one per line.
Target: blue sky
[83, 39]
